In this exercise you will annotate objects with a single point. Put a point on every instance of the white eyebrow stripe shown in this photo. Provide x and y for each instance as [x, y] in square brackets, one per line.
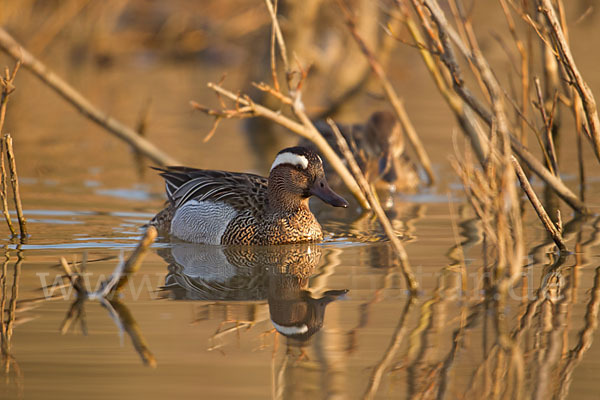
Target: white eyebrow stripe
[290, 158]
[290, 330]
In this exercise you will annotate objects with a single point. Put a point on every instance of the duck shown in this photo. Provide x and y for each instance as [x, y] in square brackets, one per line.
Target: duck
[379, 149]
[223, 208]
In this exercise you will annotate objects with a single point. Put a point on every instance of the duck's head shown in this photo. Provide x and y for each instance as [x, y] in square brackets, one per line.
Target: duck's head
[296, 174]
[386, 143]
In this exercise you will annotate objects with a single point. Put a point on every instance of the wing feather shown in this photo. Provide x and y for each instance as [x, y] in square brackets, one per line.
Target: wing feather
[239, 190]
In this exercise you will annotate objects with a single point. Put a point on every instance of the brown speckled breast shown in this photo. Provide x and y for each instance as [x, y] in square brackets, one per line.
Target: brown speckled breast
[162, 220]
[273, 228]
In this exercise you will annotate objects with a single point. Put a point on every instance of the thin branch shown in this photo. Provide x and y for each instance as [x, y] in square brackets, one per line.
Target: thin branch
[4, 190]
[589, 103]
[278, 34]
[14, 180]
[538, 207]
[548, 148]
[124, 270]
[463, 114]
[14, 49]
[7, 83]
[524, 67]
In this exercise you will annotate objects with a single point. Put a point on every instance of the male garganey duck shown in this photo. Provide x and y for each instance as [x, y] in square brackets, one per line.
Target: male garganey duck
[218, 207]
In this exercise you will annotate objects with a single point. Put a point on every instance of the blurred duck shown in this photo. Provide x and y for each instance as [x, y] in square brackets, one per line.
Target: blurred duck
[378, 147]
[218, 207]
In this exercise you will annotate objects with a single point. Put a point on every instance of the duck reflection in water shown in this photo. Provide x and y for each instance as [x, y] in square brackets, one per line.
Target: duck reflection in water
[279, 274]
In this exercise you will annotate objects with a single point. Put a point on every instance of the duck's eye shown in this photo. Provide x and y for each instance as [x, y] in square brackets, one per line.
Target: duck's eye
[299, 167]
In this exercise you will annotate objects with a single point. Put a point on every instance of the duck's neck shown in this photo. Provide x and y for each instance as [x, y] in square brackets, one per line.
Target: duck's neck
[281, 200]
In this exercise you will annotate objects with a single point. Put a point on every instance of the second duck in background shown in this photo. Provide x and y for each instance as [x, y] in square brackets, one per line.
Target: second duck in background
[378, 147]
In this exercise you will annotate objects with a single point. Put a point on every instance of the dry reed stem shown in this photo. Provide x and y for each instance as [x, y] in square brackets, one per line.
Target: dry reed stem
[272, 48]
[376, 207]
[551, 180]
[4, 191]
[524, 54]
[566, 58]
[7, 83]
[538, 207]
[446, 32]
[391, 94]
[580, 161]
[463, 114]
[276, 35]
[14, 180]
[548, 148]
[307, 131]
[123, 271]
[16, 51]
[468, 36]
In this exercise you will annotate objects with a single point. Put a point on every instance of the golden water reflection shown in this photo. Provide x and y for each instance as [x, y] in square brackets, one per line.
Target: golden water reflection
[323, 319]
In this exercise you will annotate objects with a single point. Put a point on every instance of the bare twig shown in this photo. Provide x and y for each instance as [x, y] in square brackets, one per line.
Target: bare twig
[549, 151]
[589, 103]
[278, 35]
[124, 270]
[539, 208]
[7, 83]
[14, 180]
[463, 114]
[385, 222]
[12, 48]
[524, 70]
[4, 190]
[553, 181]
